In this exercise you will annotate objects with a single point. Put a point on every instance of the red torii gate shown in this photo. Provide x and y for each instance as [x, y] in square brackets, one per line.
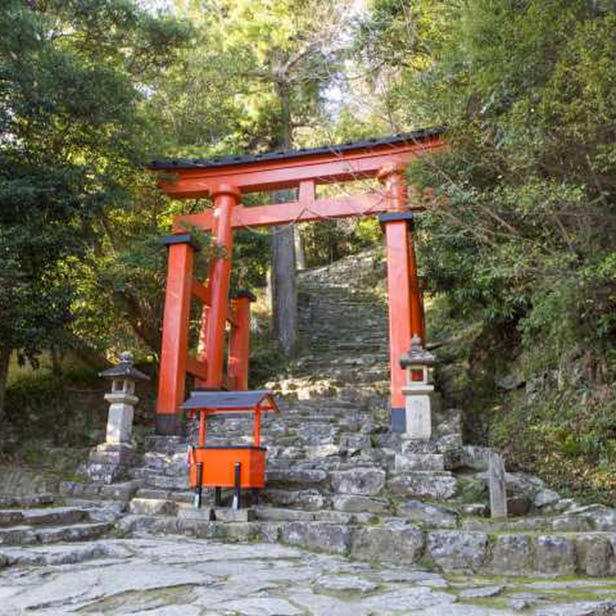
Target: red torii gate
[224, 180]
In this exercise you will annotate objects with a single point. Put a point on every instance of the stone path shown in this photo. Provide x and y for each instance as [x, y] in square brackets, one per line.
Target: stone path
[176, 575]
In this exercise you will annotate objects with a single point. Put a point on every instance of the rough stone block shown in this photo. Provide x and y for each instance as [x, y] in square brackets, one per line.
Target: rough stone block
[475, 509]
[399, 544]
[108, 453]
[332, 538]
[83, 490]
[352, 503]
[236, 531]
[335, 517]
[152, 506]
[428, 515]
[165, 444]
[120, 491]
[276, 514]
[354, 443]
[10, 517]
[297, 477]
[362, 481]
[19, 535]
[510, 555]
[554, 555]
[588, 518]
[419, 462]
[593, 554]
[226, 514]
[457, 550]
[543, 498]
[437, 486]
[167, 482]
[269, 531]
[311, 500]
[474, 457]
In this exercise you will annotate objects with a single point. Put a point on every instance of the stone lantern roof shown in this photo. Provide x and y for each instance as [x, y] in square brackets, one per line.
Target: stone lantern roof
[417, 355]
[124, 369]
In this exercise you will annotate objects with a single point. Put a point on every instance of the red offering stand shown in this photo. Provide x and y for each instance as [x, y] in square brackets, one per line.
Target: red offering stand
[227, 466]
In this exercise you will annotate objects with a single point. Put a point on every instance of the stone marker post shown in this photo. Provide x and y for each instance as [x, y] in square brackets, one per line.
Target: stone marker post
[108, 462]
[497, 485]
[418, 391]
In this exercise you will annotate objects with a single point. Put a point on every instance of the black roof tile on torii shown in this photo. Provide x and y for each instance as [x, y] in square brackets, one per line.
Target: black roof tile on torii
[242, 159]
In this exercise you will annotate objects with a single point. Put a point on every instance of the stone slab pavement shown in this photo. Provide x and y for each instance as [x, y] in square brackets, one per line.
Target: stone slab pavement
[178, 575]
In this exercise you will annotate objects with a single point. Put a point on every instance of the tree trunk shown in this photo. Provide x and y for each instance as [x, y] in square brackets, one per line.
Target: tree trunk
[5, 357]
[300, 255]
[284, 293]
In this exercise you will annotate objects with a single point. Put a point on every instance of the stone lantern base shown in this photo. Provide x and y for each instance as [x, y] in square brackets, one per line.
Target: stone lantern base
[418, 412]
[109, 462]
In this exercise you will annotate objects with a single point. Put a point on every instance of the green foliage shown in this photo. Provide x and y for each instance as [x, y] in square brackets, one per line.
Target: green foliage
[526, 200]
[71, 137]
[520, 225]
[565, 431]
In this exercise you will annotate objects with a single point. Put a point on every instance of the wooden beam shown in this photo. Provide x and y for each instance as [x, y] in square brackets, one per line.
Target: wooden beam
[196, 368]
[201, 292]
[292, 212]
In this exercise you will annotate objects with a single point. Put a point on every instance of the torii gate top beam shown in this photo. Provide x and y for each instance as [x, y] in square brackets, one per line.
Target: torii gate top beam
[195, 178]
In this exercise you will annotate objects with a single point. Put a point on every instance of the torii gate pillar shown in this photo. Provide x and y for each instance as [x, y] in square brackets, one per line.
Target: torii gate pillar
[404, 296]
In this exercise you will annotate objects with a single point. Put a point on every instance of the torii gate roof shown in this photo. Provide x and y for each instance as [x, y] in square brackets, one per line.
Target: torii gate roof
[199, 177]
[246, 159]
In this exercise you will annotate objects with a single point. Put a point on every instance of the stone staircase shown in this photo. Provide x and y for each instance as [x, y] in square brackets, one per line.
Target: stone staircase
[37, 520]
[339, 481]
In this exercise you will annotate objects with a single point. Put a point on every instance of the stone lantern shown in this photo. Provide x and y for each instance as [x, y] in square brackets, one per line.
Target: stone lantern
[109, 460]
[418, 390]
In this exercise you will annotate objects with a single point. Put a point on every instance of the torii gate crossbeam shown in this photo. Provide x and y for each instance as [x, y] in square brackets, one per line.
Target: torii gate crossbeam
[224, 181]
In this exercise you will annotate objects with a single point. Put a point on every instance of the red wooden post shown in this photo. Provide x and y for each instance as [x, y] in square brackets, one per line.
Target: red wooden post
[172, 377]
[239, 341]
[417, 316]
[202, 428]
[405, 313]
[257, 432]
[225, 197]
[202, 343]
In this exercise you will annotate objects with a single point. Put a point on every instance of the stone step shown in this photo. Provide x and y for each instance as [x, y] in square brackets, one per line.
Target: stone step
[395, 540]
[60, 554]
[165, 482]
[460, 552]
[42, 516]
[428, 485]
[308, 500]
[166, 463]
[116, 491]
[419, 462]
[27, 535]
[278, 514]
[303, 478]
[32, 500]
[153, 506]
[164, 444]
[177, 496]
